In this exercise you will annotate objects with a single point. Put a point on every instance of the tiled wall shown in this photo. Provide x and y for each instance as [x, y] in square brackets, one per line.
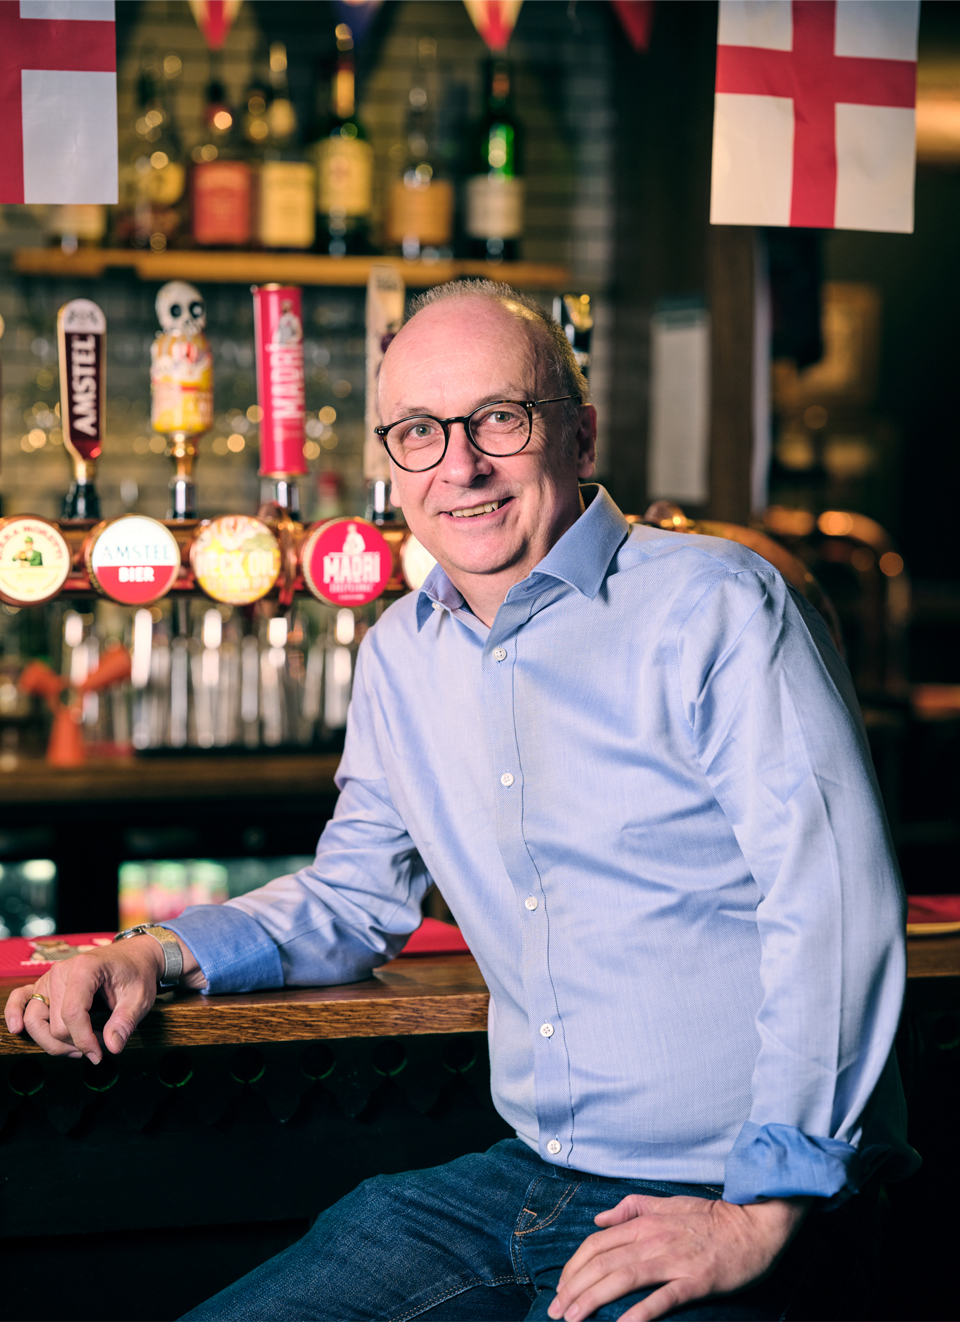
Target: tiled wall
[563, 99]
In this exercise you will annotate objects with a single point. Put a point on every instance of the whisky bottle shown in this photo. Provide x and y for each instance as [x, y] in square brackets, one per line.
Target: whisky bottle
[344, 162]
[420, 216]
[220, 184]
[284, 183]
[494, 193]
[158, 175]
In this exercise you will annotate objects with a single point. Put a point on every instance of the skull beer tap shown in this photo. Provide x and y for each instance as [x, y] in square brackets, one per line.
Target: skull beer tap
[181, 385]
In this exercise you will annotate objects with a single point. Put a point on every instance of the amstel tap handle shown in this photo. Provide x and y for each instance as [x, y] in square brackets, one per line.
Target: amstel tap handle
[181, 387]
[82, 337]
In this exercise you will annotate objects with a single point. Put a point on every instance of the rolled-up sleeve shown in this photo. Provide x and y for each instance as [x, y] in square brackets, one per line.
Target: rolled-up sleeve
[334, 921]
[777, 731]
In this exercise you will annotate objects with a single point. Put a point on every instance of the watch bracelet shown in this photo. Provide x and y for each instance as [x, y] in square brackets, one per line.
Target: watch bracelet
[172, 953]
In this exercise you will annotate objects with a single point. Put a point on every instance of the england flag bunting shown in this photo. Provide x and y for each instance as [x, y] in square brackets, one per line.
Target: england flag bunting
[494, 20]
[814, 120]
[58, 101]
[215, 19]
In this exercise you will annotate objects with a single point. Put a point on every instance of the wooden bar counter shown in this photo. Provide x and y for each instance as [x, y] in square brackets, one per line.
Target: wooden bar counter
[408, 996]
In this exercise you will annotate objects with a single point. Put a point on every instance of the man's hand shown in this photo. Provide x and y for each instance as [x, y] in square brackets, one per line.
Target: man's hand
[126, 976]
[689, 1247]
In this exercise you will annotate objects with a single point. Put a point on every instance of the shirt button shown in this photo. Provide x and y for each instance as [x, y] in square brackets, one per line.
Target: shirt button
[506, 780]
[438, 606]
[531, 902]
[554, 1146]
[546, 1030]
[500, 653]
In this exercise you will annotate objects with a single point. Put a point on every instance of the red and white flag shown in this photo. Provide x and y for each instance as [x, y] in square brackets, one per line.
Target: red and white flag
[58, 101]
[494, 20]
[814, 120]
[215, 19]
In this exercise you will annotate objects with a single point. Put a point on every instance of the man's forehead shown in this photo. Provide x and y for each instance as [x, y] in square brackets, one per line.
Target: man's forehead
[466, 346]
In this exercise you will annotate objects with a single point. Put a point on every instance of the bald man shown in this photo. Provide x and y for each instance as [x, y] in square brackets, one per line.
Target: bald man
[633, 762]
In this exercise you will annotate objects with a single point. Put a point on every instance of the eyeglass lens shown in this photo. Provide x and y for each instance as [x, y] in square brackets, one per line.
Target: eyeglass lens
[497, 429]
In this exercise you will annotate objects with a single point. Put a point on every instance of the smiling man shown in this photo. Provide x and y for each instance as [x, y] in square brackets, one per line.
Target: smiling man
[633, 762]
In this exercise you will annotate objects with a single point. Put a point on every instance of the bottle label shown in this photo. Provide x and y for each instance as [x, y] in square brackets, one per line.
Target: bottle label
[285, 204]
[344, 176]
[82, 332]
[423, 212]
[346, 562]
[34, 560]
[163, 187]
[181, 384]
[236, 559]
[494, 207]
[278, 334]
[88, 221]
[133, 559]
[221, 203]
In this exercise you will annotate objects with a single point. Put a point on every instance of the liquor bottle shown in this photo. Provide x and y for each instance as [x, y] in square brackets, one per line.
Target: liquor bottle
[73, 225]
[284, 183]
[255, 121]
[494, 194]
[158, 176]
[574, 313]
[344, 161]
[420, 217]
[220, 183]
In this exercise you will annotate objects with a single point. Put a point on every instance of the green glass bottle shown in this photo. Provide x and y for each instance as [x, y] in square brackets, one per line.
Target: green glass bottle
[494, 192]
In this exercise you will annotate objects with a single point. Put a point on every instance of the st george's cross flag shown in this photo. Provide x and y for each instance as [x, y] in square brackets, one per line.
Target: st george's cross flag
[494, 20]
[58, 101]
[814, 119]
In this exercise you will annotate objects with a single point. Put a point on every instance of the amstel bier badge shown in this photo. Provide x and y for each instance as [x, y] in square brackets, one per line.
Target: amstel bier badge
[346, 562]
[236, 559]
[34, 560]
[133, 559]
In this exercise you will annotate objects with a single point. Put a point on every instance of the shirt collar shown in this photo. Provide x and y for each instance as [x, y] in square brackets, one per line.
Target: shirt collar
[580, 558]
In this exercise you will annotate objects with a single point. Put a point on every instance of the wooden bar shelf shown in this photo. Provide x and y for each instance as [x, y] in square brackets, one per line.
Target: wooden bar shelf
[285, 267]
[197, 776]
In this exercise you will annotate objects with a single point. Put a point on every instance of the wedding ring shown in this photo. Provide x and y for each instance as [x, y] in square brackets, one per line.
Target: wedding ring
[37, 997]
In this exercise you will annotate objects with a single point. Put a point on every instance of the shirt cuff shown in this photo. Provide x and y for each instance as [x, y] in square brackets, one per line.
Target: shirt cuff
[780, 1161]
[235, 954]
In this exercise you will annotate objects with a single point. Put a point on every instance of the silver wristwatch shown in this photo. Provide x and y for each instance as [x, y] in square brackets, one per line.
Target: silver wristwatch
[172, 954]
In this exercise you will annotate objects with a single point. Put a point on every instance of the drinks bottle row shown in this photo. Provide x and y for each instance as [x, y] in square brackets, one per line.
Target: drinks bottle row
[257, 178]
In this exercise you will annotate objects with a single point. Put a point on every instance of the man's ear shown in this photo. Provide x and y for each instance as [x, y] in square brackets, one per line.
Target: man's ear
[586, 442]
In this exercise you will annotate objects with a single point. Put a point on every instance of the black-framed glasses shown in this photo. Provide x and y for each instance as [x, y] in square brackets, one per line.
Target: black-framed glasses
[499, 430]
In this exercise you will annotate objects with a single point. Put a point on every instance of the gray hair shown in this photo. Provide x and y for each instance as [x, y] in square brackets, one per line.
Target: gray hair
[554, 354]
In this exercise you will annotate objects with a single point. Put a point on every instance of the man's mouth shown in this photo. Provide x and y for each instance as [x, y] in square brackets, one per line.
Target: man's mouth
[488, 507]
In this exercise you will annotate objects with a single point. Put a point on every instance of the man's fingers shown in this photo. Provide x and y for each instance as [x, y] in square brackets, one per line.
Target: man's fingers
[635, 1204]
[609, 1276]
[127, 1013]
[16, 1003]
[37, 1023]
[661, 1301]
[72, 1024]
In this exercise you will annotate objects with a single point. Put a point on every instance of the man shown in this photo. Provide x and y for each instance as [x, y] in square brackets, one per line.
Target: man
[633, 764]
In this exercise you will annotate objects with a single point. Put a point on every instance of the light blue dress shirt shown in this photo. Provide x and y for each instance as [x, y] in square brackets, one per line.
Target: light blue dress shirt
[647, 797]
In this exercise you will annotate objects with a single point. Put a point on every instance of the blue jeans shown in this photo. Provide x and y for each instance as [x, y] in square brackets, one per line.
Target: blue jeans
[481, 1238]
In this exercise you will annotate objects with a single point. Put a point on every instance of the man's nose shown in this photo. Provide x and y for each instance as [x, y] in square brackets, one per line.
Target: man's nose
[463, 461]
